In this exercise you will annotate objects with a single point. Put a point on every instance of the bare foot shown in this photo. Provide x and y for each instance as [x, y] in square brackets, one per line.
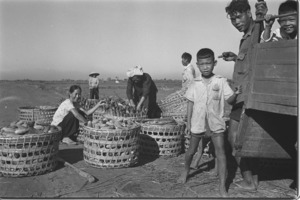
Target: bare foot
[223, 192]
[245, 185]
[183, 177]
[255, 181]
[212, 172]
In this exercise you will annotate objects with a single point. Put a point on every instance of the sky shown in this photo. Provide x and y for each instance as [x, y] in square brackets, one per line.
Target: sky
[68, 39]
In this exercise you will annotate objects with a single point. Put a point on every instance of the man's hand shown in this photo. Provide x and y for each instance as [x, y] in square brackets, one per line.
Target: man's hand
[138, 108]
[229, 56]
[131, 103]
[238, 90]
[268, 21]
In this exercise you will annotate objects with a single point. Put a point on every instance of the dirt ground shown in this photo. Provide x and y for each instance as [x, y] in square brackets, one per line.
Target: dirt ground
[150, 178]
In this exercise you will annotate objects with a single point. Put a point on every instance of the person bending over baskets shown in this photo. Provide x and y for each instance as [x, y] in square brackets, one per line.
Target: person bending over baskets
[141, 92]
[70, 113]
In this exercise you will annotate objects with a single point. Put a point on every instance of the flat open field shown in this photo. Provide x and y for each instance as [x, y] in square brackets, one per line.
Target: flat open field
[150, 178]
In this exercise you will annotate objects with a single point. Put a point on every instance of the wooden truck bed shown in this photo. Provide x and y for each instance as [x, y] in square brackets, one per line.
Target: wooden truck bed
[269, 124]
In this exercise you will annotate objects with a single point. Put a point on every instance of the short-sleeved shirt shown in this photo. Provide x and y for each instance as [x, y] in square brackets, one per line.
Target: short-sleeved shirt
[63, 109]
[188, 75]
[241, 66]
[93, 82]
[276, 35]
[209, 101]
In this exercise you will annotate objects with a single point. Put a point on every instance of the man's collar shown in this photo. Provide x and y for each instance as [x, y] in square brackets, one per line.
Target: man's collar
[249, 31]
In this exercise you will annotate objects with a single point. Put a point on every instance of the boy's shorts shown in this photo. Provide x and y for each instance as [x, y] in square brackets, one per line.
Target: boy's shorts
[236, 111]
[207, 134]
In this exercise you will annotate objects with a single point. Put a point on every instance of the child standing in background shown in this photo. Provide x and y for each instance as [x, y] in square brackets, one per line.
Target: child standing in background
[94, 85]
[189, 72]
[288, 25]
[206, 97]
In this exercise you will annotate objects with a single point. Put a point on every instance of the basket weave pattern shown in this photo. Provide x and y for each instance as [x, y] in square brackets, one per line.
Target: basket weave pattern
[111, 148]
[42, 116]
[161, 140]
[175, 102]
[28, 155]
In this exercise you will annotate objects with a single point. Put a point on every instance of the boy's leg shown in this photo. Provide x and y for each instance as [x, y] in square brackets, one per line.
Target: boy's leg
[198, 155]
[194, 142]
[218, 141]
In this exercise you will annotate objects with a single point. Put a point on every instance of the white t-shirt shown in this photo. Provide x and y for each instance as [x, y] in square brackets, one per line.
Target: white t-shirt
[63, 109]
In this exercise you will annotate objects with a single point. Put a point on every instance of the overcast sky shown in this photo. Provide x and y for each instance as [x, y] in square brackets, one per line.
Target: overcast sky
[68, 39]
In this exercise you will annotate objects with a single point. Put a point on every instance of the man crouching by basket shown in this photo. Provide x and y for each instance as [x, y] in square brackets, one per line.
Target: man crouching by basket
[206, 97]
[70, 113]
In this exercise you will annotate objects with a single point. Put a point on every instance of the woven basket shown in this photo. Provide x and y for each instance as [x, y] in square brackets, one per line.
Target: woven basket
[111, 148]
[28, 155]
[41, 115]
[161, 140]
[174, 102]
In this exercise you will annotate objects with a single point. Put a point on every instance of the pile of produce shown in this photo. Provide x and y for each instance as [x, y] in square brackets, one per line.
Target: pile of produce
[22, 127]
[104, 123]
[114, 106]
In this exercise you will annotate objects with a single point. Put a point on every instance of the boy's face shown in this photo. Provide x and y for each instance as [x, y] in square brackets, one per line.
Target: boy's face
[289, 24]
[206, 66]
[184, 62]
[241, 21]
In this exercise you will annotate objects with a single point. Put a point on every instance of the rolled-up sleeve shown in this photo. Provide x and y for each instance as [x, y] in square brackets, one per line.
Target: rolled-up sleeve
[129, 88]
[228, 92]
[190, 93]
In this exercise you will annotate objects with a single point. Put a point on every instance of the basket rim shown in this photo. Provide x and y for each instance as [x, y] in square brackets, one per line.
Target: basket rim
[31, 135]
[84, 126]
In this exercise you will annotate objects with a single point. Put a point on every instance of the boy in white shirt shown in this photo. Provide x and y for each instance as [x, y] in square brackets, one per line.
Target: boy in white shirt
[206, 98]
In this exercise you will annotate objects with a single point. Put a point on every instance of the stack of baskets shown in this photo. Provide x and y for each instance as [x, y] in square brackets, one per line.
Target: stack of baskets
[40, 115]
[28, 155]
[114, 148]
[161, 137]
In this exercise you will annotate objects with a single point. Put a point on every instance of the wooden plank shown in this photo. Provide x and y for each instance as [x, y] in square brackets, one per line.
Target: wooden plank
[278, 88]
[269, 135]
[275, 99]
[276, 71]
[279, 109]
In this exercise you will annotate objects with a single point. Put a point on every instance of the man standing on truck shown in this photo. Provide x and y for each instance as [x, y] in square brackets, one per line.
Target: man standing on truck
[239, 13]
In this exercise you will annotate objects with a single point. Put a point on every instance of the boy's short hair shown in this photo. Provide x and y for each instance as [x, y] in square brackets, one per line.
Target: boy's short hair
[288, 6]
[205, 53]
[187, 56]
[237, 6]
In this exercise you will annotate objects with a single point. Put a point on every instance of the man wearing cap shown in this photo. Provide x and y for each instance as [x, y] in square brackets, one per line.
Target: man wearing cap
[141, 92]
[94, 85]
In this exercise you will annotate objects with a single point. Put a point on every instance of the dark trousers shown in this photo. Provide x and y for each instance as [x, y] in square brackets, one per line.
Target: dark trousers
[70, 125]
[94, 93]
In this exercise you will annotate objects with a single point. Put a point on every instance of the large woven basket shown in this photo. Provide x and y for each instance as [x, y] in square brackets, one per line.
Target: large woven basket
[41, 115]
[161, 140]
[28, 155]
[111, 148]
